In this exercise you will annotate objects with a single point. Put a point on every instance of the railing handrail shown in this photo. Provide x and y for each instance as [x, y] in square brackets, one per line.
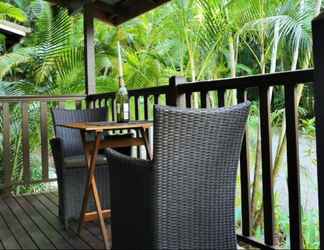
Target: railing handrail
[260, 80]
[132, 92]
[41, 98]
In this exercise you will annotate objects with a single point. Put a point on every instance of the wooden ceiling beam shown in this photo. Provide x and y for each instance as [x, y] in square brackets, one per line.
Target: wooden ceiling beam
[133, 8]
[74, 6]
[114, 14]
[13, 32]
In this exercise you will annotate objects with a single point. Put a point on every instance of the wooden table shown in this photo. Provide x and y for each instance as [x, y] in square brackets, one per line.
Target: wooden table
[91, 150]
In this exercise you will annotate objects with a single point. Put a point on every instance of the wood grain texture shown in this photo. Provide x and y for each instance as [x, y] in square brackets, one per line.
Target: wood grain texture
[25, 143]
[44, 139]
[7, 166]
[102, 126]
[31, 222]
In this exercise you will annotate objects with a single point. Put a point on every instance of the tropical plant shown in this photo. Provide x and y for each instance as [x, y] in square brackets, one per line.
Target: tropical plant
[8, 11]
[205, 39]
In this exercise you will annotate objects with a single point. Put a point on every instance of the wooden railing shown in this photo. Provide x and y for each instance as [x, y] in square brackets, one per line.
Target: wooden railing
[179, 92]
[18, 113]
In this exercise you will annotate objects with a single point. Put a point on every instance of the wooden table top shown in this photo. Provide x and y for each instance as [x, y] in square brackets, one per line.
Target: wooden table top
[101, 126]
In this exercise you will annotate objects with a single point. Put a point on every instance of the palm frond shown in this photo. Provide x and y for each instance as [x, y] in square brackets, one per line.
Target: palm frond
[8, 11]
[11, 60]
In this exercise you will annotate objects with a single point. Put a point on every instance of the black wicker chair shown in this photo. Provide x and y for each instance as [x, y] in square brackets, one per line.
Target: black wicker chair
[69, 160]
[184, 198]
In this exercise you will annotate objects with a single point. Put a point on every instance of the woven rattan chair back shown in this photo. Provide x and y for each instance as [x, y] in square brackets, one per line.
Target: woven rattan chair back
[72, 138]
[196, 155]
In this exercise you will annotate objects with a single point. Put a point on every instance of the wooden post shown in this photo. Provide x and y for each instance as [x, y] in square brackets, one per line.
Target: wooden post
[318, 50]
[244, 171]
[173, 98]
[293, 166]
[266, 154]
[89, 50]
[7, 164]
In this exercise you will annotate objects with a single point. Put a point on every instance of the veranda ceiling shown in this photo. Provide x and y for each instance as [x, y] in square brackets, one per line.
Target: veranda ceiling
[114, 12]
[13, 32]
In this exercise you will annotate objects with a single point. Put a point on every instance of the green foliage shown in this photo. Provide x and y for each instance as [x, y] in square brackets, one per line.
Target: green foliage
[308, 126]
[8, 11]
[205, 39]
[310, 229]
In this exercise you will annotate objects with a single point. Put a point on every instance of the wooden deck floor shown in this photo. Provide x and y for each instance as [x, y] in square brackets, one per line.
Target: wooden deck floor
[31, 222]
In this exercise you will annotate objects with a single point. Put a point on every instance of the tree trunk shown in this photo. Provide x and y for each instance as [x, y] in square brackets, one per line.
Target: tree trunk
[194, 96]
[231, 97]
[257, 165]
[275, 46]
[274, 53]
[318, 7]
[256, 180]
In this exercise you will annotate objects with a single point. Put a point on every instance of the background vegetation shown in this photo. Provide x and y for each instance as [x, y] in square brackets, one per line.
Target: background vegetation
[203, 39]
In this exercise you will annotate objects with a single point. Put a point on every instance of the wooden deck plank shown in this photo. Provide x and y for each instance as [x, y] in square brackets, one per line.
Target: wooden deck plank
[86, 234]
[92, 227]
[56, 239]
[32, 222]
[16, 227]
[7, 238]
[68, 235]
[52, 209]
[41, 241]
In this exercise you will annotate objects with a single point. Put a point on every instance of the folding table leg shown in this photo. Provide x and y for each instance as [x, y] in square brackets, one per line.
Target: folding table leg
[144, 133]
[91, 186]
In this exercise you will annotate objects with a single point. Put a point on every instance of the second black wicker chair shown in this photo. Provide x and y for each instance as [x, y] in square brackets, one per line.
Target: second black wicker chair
[184, 198]
[70, 164]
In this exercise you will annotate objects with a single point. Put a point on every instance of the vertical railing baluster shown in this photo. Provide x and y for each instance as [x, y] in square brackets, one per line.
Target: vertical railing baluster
[88, 103]
[293, 167]
[78, 104]
[106, 102]
[156, 99]
[146, 107]
[318, 51]
[146, 118]
[221, 97]
[7, 164]
[113, 109]
[173, 97]
[44, 139]
[188, 100]
[136, 102]
[203, 99]
[136, 108]
[25, 143]
[245, 176]
[266, 152]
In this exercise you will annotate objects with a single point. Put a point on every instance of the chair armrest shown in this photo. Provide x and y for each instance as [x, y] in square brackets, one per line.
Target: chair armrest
[116, 159]
[131, 200]
[128, 175]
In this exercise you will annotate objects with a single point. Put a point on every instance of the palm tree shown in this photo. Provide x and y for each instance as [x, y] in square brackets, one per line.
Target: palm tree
[39, 65]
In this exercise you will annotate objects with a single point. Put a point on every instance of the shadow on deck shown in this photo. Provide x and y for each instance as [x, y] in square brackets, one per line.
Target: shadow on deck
[31, 222]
